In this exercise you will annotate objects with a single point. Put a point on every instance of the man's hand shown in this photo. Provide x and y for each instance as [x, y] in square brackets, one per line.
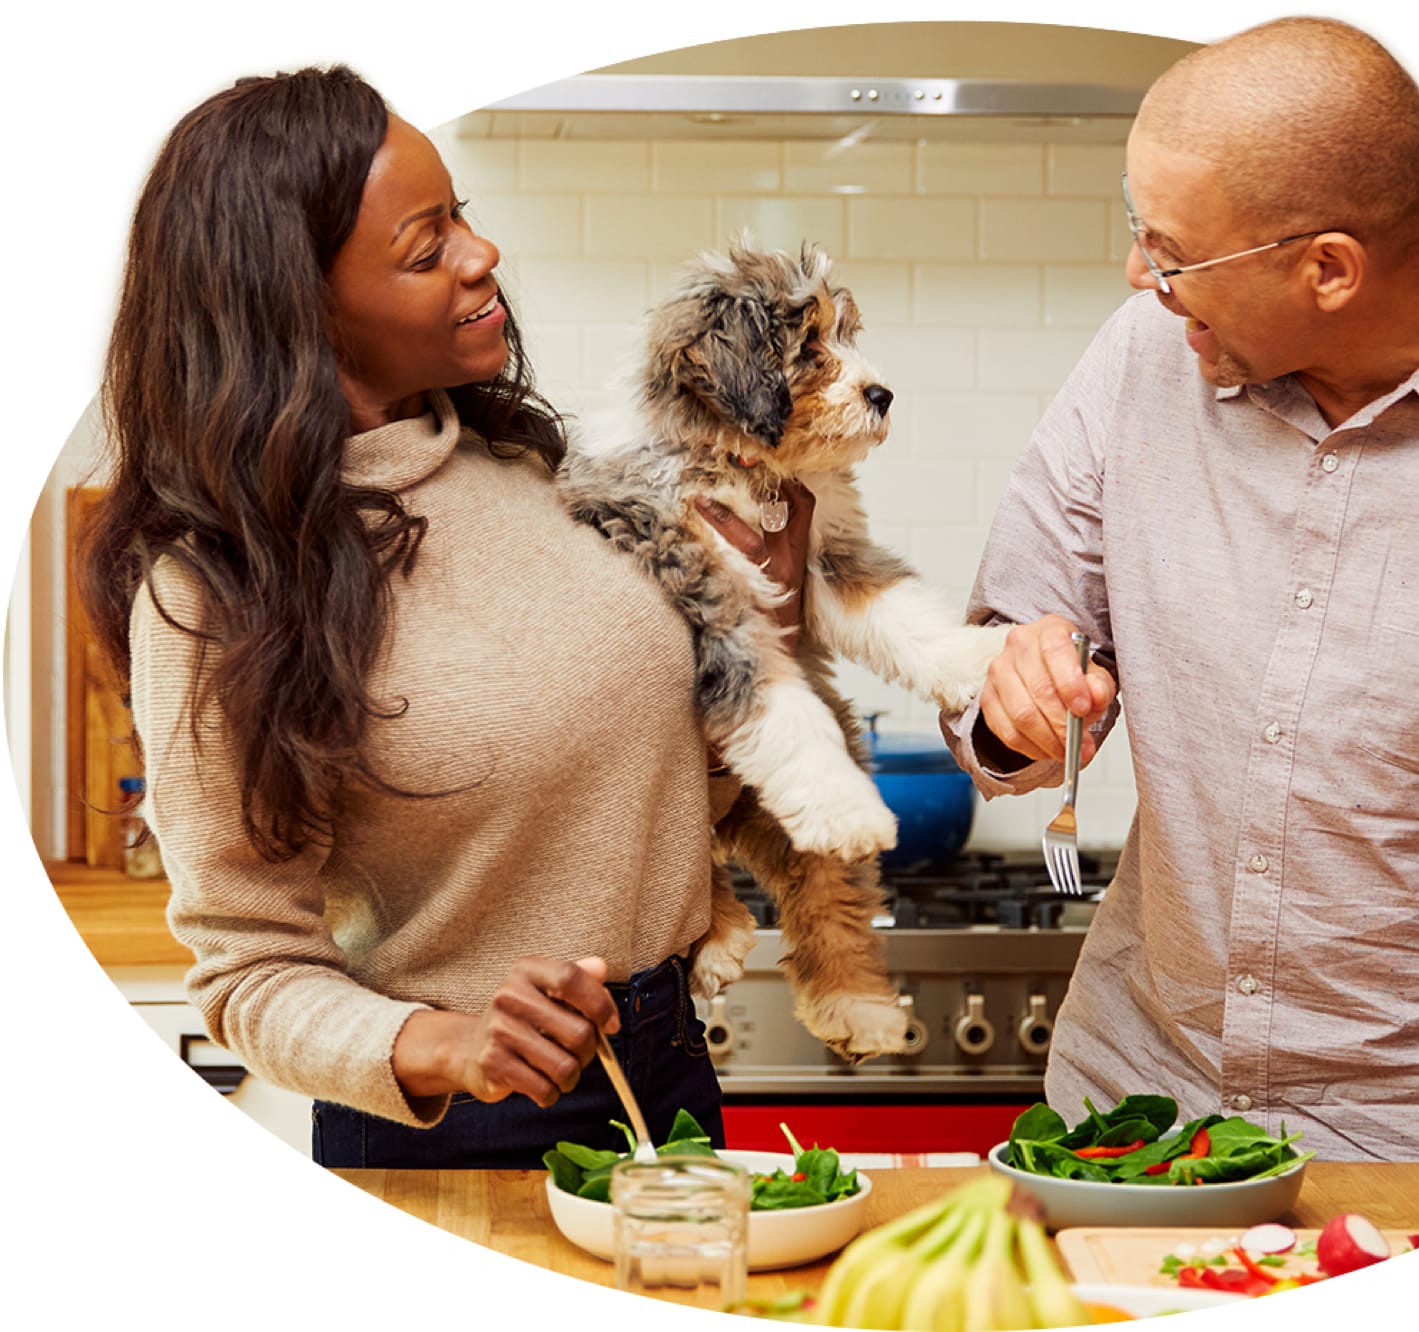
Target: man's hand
[1033, 686]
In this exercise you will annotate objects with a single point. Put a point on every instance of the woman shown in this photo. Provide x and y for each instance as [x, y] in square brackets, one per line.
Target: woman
[421, 752]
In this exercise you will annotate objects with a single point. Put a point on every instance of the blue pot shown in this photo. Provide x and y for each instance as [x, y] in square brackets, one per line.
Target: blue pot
[934, 801]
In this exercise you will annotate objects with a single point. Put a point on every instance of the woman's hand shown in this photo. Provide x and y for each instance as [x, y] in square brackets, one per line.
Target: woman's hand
[782, 555]
[535, 1037]
[1033, 686]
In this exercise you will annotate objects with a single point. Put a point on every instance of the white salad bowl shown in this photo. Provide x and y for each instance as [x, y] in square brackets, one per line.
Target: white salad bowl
[1087, 1202]
[785, 1238]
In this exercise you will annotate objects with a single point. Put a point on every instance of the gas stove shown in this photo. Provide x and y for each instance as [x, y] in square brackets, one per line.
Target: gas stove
[980, 951]
[984, 888]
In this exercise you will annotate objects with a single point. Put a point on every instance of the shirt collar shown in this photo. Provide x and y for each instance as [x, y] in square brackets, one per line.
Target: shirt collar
[402, 453]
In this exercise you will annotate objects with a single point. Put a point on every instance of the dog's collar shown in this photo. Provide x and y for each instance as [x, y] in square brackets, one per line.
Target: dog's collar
[745, 463]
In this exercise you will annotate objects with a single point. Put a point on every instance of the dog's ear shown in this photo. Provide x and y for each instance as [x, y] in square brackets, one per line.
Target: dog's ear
[735, 367]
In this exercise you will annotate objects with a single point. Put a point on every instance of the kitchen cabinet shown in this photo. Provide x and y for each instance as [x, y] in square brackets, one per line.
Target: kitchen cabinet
[98, 748]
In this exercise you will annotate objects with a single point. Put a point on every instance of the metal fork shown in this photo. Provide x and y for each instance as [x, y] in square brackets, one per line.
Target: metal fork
[1062, 832]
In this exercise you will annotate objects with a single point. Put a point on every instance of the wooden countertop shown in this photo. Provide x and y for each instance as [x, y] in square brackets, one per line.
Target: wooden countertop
[123, 921]
[506, 1210]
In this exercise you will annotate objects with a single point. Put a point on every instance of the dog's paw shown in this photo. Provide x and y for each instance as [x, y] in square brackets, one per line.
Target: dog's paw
[961, 677]
[720, 962]
[846, 817]
[858, 1026]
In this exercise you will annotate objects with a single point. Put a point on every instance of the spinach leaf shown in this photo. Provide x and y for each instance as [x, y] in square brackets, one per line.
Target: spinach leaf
[588, 1158]
[1037, 1124]
[683, 1127]
[565, 1173]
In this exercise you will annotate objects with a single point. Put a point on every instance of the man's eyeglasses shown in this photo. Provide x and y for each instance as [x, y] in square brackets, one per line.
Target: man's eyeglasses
[1161, 274]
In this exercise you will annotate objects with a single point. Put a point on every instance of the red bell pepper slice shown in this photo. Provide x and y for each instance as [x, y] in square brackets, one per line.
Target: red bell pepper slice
[1093, 1153]
[1200, 1145]
[1234, 1281]
[1247, 1261]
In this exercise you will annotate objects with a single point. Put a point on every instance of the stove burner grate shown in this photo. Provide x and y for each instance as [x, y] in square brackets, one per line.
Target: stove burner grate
[980, 888]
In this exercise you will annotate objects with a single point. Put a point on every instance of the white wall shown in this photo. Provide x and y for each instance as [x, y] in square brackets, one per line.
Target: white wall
[982, 270]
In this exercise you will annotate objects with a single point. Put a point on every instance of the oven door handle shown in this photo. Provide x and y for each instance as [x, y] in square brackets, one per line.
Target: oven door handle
[226, 1078]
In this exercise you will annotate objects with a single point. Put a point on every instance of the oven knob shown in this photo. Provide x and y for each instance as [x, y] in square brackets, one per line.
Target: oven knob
[974, 1032]
[1035, 1029]
[914, 1041]
[719, 1031]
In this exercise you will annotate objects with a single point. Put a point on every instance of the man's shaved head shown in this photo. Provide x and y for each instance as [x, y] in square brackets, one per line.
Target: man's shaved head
[1309, 122]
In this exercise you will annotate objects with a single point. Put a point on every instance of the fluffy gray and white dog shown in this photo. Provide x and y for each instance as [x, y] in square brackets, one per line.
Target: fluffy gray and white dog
[750, 374]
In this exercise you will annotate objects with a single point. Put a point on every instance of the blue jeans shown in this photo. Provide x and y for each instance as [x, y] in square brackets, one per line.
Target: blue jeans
[661, 1046]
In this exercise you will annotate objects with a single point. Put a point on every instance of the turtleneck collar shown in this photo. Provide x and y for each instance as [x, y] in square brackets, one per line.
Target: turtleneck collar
[402, 453]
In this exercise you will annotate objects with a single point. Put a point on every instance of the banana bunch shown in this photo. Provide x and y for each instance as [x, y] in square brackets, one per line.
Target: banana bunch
[973, 1262]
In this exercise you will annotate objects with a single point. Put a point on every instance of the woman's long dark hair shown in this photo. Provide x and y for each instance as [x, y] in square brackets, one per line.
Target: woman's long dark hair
[227, 422]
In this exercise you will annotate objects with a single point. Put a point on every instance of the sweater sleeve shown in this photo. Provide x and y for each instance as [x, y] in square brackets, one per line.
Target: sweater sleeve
[269, 979]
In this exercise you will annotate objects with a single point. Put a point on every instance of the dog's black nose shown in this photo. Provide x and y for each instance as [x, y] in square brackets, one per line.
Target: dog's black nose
[880, 396]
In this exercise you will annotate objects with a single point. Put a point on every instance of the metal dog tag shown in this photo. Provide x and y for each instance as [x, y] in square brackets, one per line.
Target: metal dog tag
[773, 515]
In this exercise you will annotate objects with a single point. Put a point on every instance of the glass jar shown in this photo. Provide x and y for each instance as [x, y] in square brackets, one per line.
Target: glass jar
[681, 1229]
[141, 856]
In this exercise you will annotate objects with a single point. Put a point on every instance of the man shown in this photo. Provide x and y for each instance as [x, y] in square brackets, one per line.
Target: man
[1225, 498]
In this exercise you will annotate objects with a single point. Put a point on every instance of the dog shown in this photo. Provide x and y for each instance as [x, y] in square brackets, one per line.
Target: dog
[749, 373]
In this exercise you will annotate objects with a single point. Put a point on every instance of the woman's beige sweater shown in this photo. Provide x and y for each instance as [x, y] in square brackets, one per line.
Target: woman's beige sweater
[547, 677]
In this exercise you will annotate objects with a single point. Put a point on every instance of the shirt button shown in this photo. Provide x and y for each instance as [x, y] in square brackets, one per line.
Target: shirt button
[1304, 598]
[1272, 734]
[1329, 463]
[1248, 985]
[1258, 863]
[1241, 1101]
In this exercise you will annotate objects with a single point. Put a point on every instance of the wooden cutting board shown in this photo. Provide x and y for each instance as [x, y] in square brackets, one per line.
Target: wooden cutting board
[1132, 1257]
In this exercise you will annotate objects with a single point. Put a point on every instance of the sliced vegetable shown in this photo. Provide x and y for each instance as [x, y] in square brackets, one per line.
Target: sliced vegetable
[1349, 1242]
[1095, 1153]
[1271, 1237]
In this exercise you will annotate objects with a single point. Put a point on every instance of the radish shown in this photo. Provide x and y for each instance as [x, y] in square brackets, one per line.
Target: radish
[1348, 1243]
[1269, 1238]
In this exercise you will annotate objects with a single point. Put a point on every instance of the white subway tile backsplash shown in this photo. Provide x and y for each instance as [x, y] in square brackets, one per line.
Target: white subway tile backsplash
[528, 225]
[584, 164]
[686, 167]
[1120, 237]
[920, 360]
[920, 229]
[981, 168]
[835, 166]
[978, 295]
[946, 556]
[782, 223]
[583, 290]
[918, 491]
[478, 166]
[1083, 295]
[1044, 230]
[628, 226]
[883, 292]
[1030, 358]
[554, 350]
[1085, 168]
[979, 425]
[607, 350]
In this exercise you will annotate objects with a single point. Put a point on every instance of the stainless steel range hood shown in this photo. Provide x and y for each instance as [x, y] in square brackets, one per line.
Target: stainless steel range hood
[914, 81]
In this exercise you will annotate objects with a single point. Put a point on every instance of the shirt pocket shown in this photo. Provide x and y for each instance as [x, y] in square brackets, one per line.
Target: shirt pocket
[1389, 719]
